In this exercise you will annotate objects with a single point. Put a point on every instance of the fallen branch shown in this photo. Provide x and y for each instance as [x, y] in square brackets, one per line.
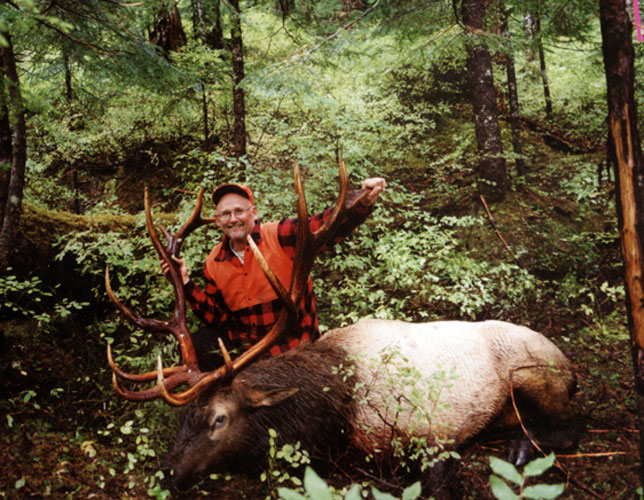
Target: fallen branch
[595, 455]
[490, 217]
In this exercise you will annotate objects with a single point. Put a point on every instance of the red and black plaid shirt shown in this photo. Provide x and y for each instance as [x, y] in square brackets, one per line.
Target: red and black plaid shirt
[209, 304]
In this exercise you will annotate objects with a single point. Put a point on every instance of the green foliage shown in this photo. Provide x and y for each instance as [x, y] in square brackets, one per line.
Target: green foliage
[134, 434]
[577, 107]
[406, 264]
[31, 298]
[506, 475]
[316, 489]
[284, 464]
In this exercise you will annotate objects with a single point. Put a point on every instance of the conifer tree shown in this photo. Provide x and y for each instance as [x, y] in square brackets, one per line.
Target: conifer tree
[492, 168]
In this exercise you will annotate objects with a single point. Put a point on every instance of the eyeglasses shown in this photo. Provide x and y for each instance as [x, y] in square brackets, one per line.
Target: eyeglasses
[238, 213]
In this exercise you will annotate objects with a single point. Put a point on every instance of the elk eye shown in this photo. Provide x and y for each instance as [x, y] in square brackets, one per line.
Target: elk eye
[219, 422]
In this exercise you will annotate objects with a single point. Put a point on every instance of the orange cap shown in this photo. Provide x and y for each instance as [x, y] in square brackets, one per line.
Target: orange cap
[224, 189]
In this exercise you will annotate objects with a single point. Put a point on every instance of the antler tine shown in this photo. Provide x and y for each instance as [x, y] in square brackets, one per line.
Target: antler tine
[195, 221]
[277, 285]
[173, 376]
[323, 233]
[309, 244]
[139, 377]
[146, 323]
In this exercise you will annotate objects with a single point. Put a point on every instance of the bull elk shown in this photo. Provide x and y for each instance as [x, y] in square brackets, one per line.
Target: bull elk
[493, 373]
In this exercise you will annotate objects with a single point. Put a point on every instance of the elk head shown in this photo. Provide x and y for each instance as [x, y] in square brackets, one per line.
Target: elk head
[167, 379]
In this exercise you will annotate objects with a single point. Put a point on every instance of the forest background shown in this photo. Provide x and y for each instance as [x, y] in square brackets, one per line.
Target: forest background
[515, 220]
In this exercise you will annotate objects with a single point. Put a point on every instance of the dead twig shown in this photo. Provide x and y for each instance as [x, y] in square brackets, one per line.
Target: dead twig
[595, 455]
[490, 218]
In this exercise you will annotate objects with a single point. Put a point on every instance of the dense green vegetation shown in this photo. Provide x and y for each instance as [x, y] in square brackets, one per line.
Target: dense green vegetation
[108, 113]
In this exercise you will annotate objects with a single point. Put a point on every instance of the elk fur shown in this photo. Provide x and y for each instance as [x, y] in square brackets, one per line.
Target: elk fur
[338, 389]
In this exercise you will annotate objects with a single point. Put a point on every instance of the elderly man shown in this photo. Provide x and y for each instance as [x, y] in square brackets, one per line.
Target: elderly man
[238, 303]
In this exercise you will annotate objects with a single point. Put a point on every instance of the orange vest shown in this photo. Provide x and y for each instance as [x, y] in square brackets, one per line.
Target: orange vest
[246, 285]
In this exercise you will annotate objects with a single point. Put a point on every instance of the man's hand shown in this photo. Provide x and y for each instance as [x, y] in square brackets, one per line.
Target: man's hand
[183, 270]
[374, 186]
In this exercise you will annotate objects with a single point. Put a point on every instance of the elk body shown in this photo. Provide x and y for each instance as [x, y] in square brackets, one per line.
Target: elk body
[467, 371]
[362, 385]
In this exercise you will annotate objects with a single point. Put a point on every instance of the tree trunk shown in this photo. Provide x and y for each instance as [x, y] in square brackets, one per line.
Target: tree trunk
[11, 215]
[542, 63]
[239, 106]
[216, 35]
[69, 97]
[168, 32]
[285, 7]
[200, 20]
[351, 5]
[206, 128]
[6, 150]
[532, 24]
[626, 154]
[306, 9]
[492, 167]
[544, 79]
[513, 97]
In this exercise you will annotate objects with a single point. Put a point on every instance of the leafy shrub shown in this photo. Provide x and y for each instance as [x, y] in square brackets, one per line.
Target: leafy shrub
[26, 297]
[316, 489]
[416, 269]
[283, 464]
[506, 474]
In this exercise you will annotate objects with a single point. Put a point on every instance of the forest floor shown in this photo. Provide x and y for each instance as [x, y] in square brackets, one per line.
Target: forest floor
[53, 449]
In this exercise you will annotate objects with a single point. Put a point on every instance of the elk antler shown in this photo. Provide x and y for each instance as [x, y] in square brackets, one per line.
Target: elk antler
[307, 247]
[194, 221]
[188, 373]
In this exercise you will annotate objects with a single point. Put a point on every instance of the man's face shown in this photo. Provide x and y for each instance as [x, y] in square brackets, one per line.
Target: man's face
[236, 217]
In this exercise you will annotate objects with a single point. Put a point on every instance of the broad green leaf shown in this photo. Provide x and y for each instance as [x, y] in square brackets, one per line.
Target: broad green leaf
[544, 491]
[412, 492]
[501, 490]
[354, 493]
[539, 465]
[379, 495]
[287, 494]
[315, 486]
[506, 470]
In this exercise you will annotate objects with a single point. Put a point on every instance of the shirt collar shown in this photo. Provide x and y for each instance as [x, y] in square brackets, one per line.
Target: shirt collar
[225, 253]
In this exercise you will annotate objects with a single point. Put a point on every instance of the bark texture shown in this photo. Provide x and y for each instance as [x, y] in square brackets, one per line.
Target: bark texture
[513, 98]
[492, 168]
[13, 204]
[168, 32]
[6, 149]
[239, 105]
[626, 156]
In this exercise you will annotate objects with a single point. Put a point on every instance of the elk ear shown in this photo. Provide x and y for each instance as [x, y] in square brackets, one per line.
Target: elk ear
[269, 397]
